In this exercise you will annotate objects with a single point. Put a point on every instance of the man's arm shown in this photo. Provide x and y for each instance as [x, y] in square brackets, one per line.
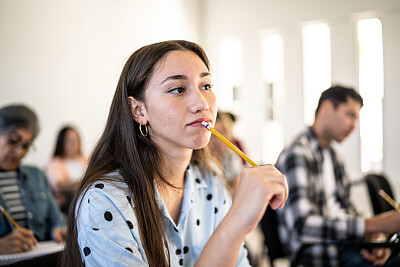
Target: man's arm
[387, 222]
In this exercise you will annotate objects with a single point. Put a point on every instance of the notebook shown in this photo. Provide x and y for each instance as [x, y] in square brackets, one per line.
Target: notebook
[42, 248]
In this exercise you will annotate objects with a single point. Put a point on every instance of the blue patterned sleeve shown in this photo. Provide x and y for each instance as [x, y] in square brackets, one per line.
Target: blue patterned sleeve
[107, 229]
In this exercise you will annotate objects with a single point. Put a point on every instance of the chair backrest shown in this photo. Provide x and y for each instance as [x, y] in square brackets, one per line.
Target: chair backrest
[269, 227]
[375, 182]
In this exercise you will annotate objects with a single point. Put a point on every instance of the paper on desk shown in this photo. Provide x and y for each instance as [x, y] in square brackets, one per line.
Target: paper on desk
[42, 248]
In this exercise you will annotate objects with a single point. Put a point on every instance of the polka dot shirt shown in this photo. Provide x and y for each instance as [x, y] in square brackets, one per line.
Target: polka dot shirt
[108, 230]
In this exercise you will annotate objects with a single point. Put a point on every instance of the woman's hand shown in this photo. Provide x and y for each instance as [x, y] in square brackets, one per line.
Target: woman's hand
[258, 187]
[20, 240]
[59, 234]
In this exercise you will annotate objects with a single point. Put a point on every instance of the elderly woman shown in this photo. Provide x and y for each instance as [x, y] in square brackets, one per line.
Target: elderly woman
[24, 190]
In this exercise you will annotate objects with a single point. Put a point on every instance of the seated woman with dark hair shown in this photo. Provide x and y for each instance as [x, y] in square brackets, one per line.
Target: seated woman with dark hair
[66, 167]
[150, 196]
[24, 190]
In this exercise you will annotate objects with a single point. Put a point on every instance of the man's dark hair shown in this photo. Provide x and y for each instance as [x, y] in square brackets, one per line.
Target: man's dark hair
[337, 95]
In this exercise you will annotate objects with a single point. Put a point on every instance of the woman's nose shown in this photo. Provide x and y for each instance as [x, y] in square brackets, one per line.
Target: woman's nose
[199, 102]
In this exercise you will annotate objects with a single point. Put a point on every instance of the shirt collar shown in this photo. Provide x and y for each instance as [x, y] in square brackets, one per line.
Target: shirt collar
[315, 145]
[193, 183]
[22, 172]
[314, 142]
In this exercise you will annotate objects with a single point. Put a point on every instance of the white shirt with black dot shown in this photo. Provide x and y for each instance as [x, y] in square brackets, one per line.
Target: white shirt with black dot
[108, 230]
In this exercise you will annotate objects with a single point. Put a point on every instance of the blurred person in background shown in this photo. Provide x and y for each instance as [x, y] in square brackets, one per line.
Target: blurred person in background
[66, 167]
[231, 163]
[319, 206]
[24, 190]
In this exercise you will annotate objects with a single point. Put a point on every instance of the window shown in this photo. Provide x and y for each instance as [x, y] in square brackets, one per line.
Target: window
[273, 76]
[371, 89]
[231, 72]
[316, 66]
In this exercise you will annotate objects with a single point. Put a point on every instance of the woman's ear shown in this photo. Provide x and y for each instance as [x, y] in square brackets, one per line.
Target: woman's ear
[137, 110]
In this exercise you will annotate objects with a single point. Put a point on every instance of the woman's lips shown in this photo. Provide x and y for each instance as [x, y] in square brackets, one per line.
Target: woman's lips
[198, 123]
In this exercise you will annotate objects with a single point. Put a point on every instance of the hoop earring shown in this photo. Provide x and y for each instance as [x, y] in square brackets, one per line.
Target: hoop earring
[140, 129]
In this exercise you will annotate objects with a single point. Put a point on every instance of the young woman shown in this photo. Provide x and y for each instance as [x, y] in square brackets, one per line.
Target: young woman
[66, 167]
[149, 196]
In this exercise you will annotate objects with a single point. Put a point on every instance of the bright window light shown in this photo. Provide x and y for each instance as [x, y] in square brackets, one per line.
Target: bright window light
[371, 89]
[272, 58]
[231, 72]
[273, 76]
[316, 66]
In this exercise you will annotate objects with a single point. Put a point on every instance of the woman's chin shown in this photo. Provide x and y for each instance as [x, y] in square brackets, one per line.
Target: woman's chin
[200, 143]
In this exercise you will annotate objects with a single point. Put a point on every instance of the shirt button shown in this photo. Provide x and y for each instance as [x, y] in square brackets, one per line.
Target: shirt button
[30, 215]
[43, 195]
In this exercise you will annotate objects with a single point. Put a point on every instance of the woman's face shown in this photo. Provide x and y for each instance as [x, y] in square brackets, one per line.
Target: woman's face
[71, 144]
[177, 99]
[13, 148]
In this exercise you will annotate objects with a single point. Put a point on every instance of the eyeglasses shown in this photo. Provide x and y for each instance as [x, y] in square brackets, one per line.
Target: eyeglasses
[16, 142]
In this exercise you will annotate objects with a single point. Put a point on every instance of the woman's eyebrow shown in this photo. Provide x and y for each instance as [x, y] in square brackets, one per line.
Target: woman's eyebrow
[175, 77]
[19, 137]
[204, 74]
[183, 77]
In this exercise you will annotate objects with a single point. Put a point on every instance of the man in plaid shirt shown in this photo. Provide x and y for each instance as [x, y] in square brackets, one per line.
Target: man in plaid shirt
[318, 208]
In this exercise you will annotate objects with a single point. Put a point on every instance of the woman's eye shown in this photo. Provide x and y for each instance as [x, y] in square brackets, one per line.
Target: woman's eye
[177, 90]
[207, 87]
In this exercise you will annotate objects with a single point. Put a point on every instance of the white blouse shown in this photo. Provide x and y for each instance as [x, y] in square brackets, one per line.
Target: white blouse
[108, 230]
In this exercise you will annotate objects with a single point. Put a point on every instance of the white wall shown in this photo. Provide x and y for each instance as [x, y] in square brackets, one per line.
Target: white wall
[391, 120]
[64, 58]
[248, 21]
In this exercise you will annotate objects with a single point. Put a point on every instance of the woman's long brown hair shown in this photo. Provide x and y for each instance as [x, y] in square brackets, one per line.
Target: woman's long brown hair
[122, 148]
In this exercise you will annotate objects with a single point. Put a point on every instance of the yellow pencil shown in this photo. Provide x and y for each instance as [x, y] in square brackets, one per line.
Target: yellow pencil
[226, 141]
[9, 217]
[389, 200]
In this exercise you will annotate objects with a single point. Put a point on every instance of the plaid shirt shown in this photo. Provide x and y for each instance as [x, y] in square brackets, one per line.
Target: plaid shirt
[304, 218]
